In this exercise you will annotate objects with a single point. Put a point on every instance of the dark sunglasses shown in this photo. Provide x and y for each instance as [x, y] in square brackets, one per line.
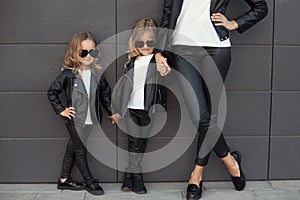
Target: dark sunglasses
[84, 53]
[141, 44]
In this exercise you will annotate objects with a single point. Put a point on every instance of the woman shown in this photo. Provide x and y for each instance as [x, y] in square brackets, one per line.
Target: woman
[200, 30]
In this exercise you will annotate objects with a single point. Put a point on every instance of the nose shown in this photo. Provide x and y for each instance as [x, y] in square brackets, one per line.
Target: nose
[89, 55]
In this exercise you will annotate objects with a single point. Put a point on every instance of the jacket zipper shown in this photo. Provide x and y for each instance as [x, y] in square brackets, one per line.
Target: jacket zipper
[88, 102]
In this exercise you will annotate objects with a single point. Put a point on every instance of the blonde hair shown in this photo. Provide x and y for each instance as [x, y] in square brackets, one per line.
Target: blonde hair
[140, 27]
[71, 60]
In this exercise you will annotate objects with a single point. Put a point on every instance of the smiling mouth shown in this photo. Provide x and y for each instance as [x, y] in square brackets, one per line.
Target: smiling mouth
[146, 49]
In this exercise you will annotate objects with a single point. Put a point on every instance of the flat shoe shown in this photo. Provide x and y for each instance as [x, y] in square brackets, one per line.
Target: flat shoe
[69, 184]
[194, 192]
[238, 182]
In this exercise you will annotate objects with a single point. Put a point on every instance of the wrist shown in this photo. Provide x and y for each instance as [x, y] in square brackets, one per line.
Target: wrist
[158, 54]
[234, 25]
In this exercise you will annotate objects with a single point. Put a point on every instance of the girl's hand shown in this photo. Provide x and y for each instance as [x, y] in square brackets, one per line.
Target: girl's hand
[68, 112]
[115, 118]
[223, 21]
[161, 64]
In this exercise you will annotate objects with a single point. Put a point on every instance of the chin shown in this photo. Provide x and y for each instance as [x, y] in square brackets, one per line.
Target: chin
[146, 53]
[88, 63]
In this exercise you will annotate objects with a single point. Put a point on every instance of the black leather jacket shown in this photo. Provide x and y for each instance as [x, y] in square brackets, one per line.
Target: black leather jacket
[172, 9]
[153, 92]
[76, 96]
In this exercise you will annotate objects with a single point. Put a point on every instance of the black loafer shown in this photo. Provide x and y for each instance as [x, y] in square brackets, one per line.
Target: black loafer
[238, 182]
[69, 184]
[94, 188]
[138, 184]
[128, 182]
[193, 191]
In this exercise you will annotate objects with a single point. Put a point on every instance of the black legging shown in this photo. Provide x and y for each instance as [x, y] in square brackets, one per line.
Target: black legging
[77, 152]
[137, 145]
[186, 59]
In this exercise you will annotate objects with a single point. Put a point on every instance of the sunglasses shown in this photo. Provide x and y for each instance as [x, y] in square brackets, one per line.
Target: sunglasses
[84, 53]
[141, 44]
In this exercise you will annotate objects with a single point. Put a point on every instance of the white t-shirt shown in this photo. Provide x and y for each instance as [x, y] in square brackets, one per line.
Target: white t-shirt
[194, 26]
[86, 77]
[136, 100]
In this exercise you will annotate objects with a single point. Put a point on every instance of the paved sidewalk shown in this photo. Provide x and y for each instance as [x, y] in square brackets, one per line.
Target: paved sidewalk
[255, 190]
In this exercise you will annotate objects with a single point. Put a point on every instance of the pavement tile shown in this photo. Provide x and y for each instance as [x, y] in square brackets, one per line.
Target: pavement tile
[73, 192]
[18, 196]
[228, 195]
[278, 194]
[111, 187]
[29, 188]
[255, 190]
[251, 185]
[107, 187]
[258, 185]
[286, 185]
[218, 185]
[132, 196]
[167, 187]
[61, 196]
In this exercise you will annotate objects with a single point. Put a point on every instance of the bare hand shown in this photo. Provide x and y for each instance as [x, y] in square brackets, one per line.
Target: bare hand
[115, 118]
[68, 112]
[161, 64]
[223, 21]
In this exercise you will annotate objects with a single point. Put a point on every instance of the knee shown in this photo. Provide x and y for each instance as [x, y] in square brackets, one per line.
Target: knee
[80, 151]
[138, 146]
[205, 118]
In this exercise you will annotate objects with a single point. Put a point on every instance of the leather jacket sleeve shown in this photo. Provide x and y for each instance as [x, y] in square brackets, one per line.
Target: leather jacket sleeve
[162, 35]
[166, 14]
[54, 90]
[105, 94]
[257, 12]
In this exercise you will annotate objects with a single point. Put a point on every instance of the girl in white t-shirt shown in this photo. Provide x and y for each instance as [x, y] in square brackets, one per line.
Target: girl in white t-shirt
[136, 94]
[85, 91]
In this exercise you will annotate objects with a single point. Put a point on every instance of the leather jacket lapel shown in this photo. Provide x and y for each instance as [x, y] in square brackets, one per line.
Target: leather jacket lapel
[79, 86]
[212, 5]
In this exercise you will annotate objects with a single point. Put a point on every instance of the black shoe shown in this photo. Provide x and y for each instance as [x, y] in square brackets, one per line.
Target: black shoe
[238, 182]
[69, 184]
[193, 191]
[138, 184]
[94, 188]
[128, 182]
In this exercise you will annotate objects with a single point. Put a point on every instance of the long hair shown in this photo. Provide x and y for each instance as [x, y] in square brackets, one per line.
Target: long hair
[71, 60]
[140, 27]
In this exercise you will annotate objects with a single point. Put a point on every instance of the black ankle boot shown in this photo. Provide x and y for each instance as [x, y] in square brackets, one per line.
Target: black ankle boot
[94, 187]
[69, 184]
[193, 191]
[138, 183]
[238, 182]
[128, 182]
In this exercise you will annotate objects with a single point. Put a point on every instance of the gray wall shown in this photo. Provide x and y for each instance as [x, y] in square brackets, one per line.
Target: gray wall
[262, 85]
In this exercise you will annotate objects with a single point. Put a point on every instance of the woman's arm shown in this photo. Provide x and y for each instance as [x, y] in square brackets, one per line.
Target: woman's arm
[162, 35]
[162, 39]
[166, 14]
[257, 12]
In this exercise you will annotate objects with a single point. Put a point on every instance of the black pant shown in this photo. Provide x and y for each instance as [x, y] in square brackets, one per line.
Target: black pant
[189, 61]
[137, 133]
[77, 152]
